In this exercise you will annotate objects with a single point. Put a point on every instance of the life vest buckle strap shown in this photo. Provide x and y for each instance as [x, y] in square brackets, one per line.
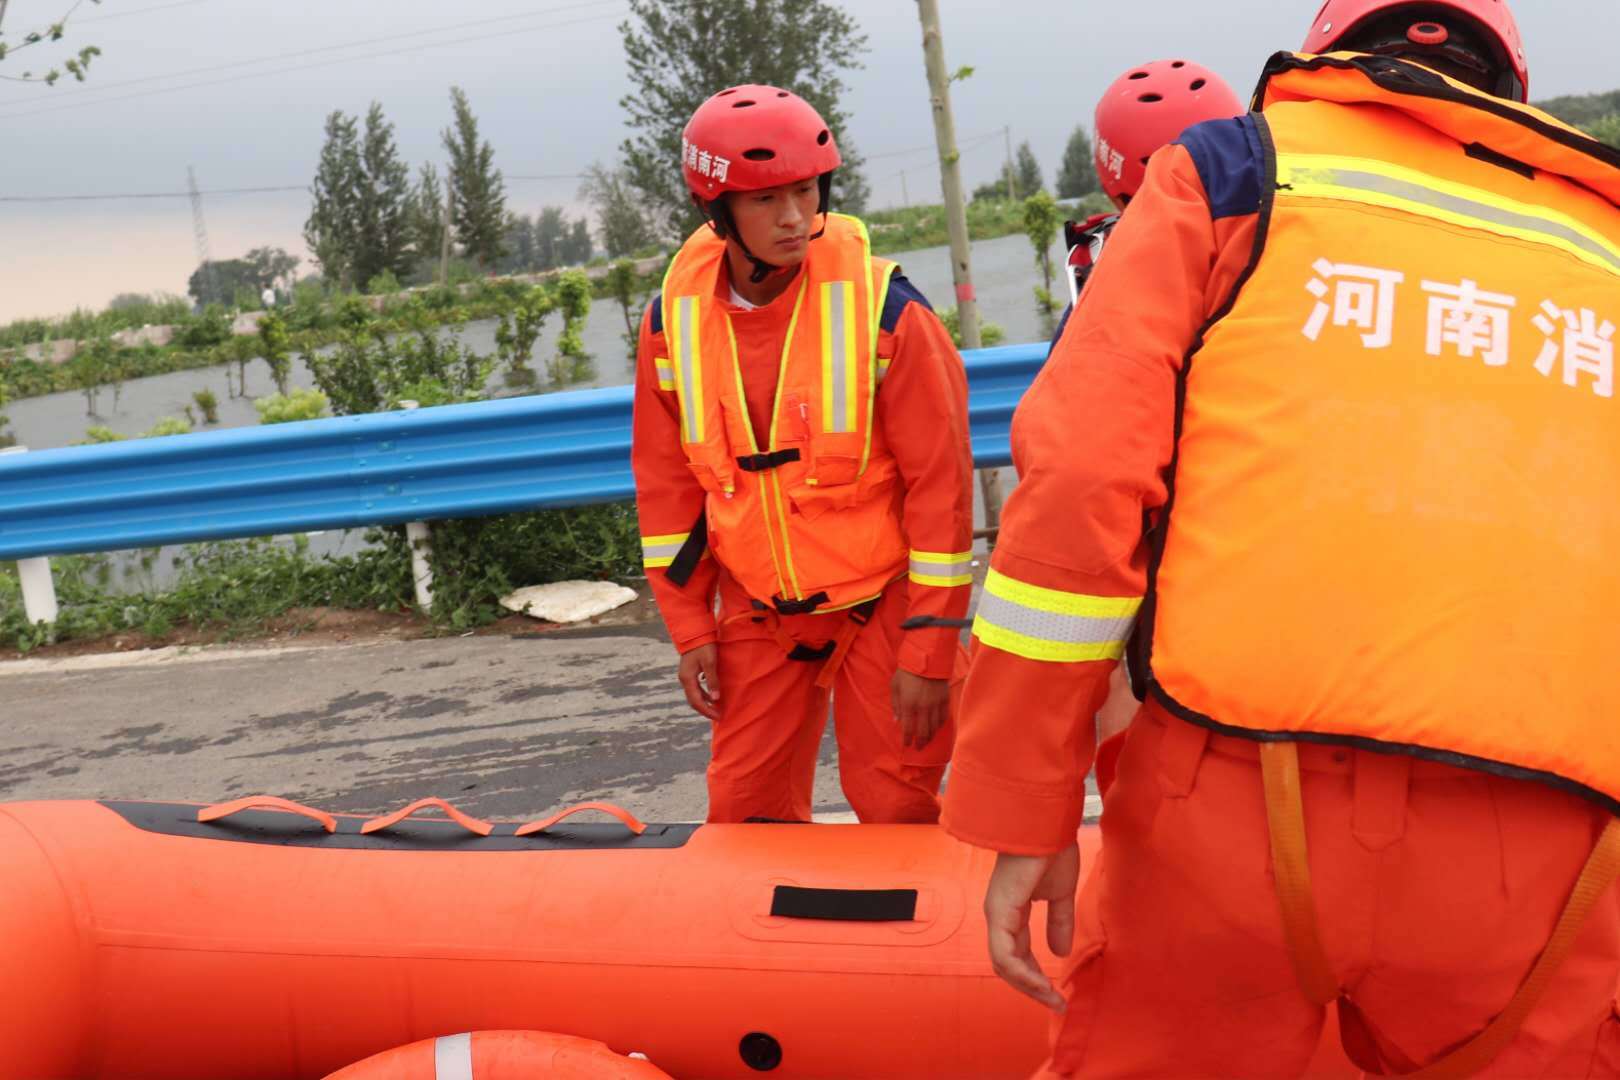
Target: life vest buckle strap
[807, 606]
[756, 463]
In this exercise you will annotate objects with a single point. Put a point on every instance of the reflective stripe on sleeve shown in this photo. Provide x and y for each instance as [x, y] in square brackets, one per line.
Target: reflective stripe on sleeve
[666, 373]
[942, 571]
[1048, 624]
[660, 551]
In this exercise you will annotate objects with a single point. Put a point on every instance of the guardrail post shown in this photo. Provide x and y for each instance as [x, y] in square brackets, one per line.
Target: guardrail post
[420, 540]
[38, 586]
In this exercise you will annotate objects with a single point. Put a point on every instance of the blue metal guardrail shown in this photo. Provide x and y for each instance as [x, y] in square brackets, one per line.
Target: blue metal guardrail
[491, 457]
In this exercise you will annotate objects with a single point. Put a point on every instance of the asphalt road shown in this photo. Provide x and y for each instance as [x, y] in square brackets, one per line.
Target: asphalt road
[504, 727]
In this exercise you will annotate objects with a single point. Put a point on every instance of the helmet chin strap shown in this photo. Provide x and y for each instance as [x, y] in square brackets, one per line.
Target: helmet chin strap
[718, 213]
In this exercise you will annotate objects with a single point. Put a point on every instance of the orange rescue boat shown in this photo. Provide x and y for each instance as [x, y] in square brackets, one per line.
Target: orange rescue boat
[263, 939]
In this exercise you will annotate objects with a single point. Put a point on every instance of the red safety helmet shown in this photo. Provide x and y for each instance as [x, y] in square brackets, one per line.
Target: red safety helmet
[753, 137]
[1148, 107]
[1486, 29]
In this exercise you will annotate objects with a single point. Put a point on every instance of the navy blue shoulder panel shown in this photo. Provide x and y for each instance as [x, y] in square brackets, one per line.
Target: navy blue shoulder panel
[1231, 162]
[901, 293]
[658, 314]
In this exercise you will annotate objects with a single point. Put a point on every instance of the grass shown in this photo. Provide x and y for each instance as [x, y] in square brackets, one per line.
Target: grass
[239, 588]
[914, 227]
[315, 320]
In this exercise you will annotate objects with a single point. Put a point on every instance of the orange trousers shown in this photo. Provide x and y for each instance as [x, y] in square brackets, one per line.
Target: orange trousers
[1436, 889]
[765, 745]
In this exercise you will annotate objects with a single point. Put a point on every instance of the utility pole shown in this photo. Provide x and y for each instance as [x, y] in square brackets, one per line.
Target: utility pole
[3, 4]
[199, 228]
[950, 175]
[1012, 177]
[444, 245]
[905, 193]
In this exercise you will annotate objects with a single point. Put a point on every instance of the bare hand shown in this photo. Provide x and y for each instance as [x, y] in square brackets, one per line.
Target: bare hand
[700, 678]
[920, 707]
[1015, 884]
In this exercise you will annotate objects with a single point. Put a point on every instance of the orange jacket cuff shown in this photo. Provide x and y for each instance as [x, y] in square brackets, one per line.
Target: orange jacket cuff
[930, 653]
[686, 645]
[1011, 818]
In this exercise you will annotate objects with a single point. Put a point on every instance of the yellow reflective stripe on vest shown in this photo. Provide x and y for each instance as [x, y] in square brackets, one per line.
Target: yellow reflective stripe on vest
[660, 551]
[1047, 624]
[942, 571]
[1378, 183]
[839, 380]
[689, 372]
[666, 372]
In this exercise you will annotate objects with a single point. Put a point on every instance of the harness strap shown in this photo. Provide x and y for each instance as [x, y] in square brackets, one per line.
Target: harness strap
[763, 462]
[832, 654]
[686, 560]
[1285, 815]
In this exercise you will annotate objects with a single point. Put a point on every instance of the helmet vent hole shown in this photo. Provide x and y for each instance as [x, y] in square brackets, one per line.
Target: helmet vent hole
[1151, 99]
[824, 138]
[759, 154]
[1199, 84]
[727, 93]
[744, 104]
[783, 93]
[1179, 64]
[1139, 74]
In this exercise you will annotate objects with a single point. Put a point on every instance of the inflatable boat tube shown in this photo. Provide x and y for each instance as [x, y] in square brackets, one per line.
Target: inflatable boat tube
[501, 1055]
[261, 939]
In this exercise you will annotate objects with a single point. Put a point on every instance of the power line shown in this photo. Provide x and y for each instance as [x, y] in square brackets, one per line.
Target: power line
[105, 87]
[139, 11]
[974, 140]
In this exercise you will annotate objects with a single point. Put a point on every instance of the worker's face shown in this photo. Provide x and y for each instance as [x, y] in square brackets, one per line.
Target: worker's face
[776, 223]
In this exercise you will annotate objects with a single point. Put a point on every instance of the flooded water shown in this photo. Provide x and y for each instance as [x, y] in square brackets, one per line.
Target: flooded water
[1004, 273]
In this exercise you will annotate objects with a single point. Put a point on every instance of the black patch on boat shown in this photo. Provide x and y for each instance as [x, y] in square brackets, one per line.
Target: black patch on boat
[845, 905]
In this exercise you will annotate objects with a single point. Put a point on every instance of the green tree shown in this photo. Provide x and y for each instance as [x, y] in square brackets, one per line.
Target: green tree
[680, 52]
[427, 215]
[579, 247]
[301, 404]
[332, 230]
[1077, 176]
[219, 281]
[1606, 129]
[522, 255]
[1041, 220]
[383, 227]
[272, 267]
[619, 220]
[77, 65]
[995, 191]
[550, 238]
[518, 331]
[622, 285]
[1028, 171]
[479, 213]
[277, 349]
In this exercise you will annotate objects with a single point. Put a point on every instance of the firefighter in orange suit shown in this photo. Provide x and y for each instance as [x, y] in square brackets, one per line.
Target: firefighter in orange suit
[801, 456]
[1351, 360]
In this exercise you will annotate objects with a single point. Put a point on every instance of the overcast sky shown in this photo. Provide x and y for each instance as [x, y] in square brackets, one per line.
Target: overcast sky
[239, 89]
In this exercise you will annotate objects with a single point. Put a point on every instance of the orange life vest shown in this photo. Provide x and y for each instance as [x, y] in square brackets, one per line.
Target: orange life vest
[1395, 513]
[807, 515]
